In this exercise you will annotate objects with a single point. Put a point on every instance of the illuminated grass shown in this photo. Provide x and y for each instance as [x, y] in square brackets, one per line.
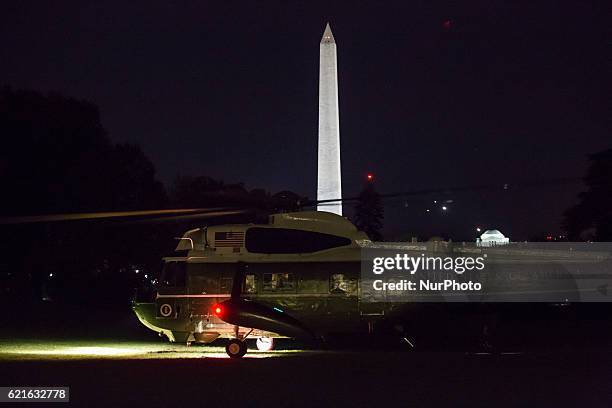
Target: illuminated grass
[79, 350]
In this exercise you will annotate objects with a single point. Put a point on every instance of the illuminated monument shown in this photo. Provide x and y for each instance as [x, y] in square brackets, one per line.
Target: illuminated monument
[329, 183]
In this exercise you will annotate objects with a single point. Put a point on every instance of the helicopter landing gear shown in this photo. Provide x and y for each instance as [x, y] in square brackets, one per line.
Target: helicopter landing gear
[236, 348]
[265, 343]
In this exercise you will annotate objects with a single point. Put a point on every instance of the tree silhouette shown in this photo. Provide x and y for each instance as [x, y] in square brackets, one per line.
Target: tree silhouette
[58, 158]
[369, 213]
[202, 191]
[591, 218]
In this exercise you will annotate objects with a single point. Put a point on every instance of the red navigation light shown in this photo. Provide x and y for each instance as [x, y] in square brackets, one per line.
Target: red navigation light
[218, 310]
[370, 177]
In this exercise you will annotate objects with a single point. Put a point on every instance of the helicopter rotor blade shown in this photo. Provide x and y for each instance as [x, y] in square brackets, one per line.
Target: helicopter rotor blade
[194, 216]
[457, 189]
[172, 213]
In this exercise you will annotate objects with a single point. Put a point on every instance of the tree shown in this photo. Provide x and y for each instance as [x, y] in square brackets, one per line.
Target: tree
[369, 213]
[591, 218]
[202, 192]
[57, 158]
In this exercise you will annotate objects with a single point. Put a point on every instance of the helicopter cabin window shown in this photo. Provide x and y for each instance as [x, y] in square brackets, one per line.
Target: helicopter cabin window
[226, 285]
[290, 241]
[278, 282]
[173, 274]
[337, 283]
[250, 284]
[210, 278]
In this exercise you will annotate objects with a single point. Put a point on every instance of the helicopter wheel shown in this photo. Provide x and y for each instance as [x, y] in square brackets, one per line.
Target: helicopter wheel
[265, 343]
[236, 348]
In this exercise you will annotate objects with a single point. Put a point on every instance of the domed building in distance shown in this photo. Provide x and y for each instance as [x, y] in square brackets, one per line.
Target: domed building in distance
[491, 238]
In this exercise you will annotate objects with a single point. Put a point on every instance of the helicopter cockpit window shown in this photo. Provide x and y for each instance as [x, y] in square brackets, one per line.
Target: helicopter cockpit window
[278, 282]
[290, 241]
[173, 274]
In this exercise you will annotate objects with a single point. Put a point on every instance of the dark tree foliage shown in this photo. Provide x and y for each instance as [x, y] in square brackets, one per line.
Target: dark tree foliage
[591, 218]
[369, 212]
[205, 192]
[287, 201]
[58, 158]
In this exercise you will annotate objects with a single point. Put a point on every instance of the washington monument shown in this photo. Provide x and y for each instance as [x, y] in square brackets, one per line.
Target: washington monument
[329, 180]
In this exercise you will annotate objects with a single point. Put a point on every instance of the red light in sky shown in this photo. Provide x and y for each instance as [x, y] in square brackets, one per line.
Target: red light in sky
[447, 24]
[370, 177]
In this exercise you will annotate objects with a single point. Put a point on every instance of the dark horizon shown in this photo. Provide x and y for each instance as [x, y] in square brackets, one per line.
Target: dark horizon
[431, 96]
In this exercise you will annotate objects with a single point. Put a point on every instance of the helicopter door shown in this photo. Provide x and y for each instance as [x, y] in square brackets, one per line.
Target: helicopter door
[169, 302]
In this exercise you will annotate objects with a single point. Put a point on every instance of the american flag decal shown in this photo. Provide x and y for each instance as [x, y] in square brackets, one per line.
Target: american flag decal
[229, 239]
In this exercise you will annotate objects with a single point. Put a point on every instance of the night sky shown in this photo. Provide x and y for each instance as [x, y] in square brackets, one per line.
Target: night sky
[431, 95]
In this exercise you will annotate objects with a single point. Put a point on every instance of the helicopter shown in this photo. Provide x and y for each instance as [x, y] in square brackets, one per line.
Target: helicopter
[296, 276]
[285, 278]
[293, 275]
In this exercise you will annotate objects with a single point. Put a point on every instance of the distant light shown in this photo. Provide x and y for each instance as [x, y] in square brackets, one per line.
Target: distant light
[435, 201]
[146, 276]
[478, 229]
[370, 177]
[447, 24]
[137, 271]
[427, 210]
[444, 208]
[50, 275]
